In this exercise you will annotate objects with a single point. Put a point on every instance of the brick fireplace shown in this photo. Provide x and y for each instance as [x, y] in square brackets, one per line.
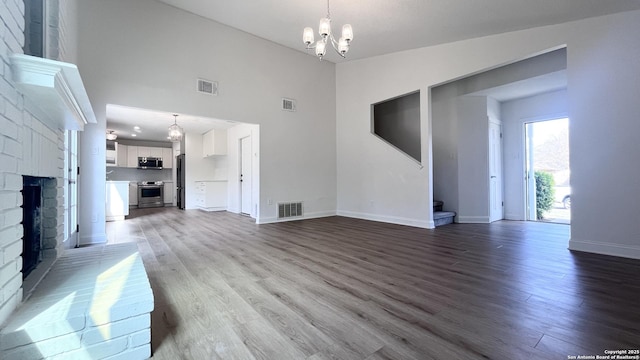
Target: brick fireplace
[39, 220]
[29, 148]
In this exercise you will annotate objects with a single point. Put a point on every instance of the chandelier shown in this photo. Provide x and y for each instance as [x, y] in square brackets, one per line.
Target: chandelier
[111, 135]
[175, 131]
[341, 46]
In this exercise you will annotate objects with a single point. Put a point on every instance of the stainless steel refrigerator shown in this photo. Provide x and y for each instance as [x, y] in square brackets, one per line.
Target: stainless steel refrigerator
[180, 181]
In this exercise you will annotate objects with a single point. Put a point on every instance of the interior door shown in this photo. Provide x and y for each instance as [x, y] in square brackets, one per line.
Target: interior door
[245, 175]
[495, 171]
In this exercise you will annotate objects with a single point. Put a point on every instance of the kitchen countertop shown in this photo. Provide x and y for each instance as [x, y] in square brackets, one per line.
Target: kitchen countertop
[118, 181]
[211, 180]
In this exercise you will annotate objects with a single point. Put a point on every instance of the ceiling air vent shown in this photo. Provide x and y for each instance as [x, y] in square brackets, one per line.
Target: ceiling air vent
[207, 87]
[288, 104]
[288, 210]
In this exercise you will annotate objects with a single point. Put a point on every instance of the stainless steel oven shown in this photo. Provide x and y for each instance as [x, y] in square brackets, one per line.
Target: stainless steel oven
[150, 194]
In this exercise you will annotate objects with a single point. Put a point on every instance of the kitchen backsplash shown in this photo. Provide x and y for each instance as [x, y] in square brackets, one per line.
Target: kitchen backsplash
[132, 174]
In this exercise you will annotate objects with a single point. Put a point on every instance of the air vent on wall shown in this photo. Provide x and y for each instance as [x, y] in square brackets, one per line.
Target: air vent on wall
[287, 210]
[288, 104]
[207, 87]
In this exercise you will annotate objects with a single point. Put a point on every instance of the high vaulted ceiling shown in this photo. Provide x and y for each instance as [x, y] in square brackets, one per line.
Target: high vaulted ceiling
[385, 26]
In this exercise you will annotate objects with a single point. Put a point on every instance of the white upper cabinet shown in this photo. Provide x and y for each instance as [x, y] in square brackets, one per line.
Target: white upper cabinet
[128, 155]
[132, 156]
[144, 151]
[167, 158]
[122, 155]
[155, 152]
[214, 142]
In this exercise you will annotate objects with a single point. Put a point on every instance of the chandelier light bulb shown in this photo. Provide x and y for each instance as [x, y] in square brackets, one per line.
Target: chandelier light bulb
[343, 46]
[321, 48]
[307, 36]
[325, 27]
[347, 32]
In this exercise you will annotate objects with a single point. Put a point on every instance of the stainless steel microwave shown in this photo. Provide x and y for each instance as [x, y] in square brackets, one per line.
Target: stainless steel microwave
[149, 163]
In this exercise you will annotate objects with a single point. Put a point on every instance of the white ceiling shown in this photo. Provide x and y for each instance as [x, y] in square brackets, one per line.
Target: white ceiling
[385, 26]
[154, 125]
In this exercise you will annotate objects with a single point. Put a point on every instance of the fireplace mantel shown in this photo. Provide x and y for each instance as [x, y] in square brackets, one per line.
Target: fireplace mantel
[53, 91]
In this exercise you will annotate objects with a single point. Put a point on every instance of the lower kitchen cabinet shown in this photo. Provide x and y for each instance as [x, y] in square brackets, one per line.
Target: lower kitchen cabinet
[133, 194]
[168, 192]
[211, 195]
[117, 201]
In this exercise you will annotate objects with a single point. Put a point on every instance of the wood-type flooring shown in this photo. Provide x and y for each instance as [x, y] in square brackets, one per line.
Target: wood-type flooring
[342, 288]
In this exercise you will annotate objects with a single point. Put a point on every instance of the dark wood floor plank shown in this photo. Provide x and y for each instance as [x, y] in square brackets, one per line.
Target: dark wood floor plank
[340, 288]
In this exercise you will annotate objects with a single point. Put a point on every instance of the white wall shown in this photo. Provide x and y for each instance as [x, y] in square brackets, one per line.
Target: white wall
[603, 78]
[515, 114]
[146, 54]
[444, 122]
[604, 88]
[473, 160]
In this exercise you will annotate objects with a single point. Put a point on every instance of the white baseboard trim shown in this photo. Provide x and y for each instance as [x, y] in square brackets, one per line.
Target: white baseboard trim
[93, 239]
[314, 215]
[632, 252]
[425, 224]
[472, 219]
[209, 209]
[515, 217]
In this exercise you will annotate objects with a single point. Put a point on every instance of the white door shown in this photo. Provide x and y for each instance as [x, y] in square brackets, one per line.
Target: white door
[495, 171]
[529, 176]
[245, 175]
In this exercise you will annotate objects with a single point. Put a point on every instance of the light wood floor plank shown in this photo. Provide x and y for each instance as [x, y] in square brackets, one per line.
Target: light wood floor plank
[340, 288]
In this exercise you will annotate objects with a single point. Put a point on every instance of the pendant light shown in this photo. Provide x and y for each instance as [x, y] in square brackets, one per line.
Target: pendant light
[175, 131]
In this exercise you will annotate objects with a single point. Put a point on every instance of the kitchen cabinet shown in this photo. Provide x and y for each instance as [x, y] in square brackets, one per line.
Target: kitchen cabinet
[132, 153]
[167, 158]
[122, 160]
[144, 151]
[214, 142]
[155, 152]
[211, 195]
[132, 156]
[133, 194]
[168, 192]
[117, 200]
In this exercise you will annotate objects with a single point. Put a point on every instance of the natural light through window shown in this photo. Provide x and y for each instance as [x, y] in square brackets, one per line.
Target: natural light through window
[107, 292]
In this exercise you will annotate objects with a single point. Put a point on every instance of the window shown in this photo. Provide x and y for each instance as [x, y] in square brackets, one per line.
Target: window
[41, 28]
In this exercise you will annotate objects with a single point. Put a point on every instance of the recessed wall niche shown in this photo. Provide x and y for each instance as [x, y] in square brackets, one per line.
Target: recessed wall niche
[397, 122]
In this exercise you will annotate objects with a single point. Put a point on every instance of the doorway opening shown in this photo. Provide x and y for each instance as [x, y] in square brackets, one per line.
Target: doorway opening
[547, 171]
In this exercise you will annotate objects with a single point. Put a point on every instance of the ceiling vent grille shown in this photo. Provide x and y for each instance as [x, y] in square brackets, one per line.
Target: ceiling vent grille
[288, 210]
[288, 104]
[208, 87]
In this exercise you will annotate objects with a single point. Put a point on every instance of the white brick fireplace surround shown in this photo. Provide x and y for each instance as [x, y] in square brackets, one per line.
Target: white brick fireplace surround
[27, 147]
[94, 302]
